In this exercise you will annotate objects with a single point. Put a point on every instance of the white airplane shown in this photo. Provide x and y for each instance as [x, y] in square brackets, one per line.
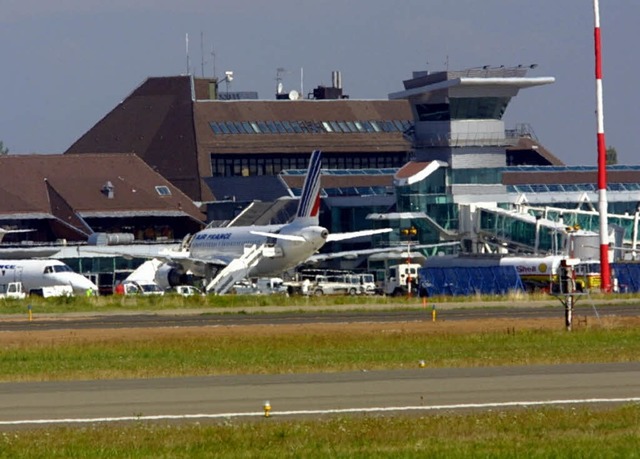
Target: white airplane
[36, 274]
[223, 256]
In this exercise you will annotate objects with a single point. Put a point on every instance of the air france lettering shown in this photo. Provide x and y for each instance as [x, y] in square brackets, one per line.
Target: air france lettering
[3, 267]
[201, 237]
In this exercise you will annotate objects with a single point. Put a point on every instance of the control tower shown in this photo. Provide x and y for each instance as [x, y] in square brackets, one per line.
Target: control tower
[456, 112]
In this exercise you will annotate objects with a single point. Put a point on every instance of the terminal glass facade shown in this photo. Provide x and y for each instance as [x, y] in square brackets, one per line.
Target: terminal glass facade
[431, 197]
[464, 108]
[247, 165]
[484, 176]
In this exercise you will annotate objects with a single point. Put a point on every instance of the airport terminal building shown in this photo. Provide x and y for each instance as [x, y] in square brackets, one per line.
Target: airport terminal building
[435, 156]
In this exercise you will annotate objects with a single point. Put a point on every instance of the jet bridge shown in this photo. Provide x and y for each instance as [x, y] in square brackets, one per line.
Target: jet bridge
[547, 229]
[518, 231]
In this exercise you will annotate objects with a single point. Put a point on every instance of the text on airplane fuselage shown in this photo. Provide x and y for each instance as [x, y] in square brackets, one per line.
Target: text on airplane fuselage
[3, 267]
[202, 237]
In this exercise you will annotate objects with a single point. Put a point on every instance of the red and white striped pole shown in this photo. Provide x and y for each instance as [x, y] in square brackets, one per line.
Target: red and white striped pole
[605, 270]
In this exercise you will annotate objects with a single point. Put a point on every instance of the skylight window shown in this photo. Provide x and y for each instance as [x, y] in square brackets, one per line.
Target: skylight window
[309, 127]
[163, 190]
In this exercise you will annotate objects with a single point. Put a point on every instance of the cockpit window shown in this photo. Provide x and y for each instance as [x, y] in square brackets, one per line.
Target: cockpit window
[57, 269]
[62, 269]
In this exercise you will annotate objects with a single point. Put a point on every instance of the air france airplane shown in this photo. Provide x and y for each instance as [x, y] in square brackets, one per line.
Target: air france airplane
[35, 274]
[277, 247]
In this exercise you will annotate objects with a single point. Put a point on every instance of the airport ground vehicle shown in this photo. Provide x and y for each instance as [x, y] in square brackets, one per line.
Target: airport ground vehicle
[261, 286]
[185, 290]
[365, 282]
[333, 285]
[12, 290]
[401, 279]
[52, 291]
[141, 288]
[341, 283]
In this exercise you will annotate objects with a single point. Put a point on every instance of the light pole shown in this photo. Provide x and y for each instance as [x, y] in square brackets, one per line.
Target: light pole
[409, 232]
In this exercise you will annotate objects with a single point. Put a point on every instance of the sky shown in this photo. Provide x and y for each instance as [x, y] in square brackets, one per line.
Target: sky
[67, 63]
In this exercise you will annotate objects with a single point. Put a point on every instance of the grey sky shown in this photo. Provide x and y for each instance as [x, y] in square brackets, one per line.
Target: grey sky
[66, 63]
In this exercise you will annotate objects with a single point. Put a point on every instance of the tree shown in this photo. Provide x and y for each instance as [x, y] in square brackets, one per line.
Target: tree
[3, 150]
[611, 157]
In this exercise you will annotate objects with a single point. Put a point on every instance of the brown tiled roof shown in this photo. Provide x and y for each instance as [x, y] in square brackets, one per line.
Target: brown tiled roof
[156, 122]
[530, 144]
[300, 110]
[70, 185]
[160, 122]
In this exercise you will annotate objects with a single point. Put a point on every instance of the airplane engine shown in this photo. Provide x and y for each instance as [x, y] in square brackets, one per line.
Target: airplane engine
[170, 276]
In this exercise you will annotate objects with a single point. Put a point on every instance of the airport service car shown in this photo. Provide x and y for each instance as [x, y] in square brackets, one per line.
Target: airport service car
[142, 288]
[185, 290]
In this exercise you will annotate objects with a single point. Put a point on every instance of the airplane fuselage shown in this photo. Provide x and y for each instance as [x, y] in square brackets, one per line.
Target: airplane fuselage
[220, 243]
[35, 274]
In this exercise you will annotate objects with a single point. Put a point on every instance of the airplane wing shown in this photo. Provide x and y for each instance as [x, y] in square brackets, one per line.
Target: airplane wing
[286, 237]
[185, 256]
[356, 253]
[342, 236]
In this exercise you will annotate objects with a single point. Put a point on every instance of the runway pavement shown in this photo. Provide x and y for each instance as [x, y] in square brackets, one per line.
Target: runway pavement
[419, 389]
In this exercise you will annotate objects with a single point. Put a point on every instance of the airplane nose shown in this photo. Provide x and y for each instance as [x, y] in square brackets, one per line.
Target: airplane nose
[81, 284]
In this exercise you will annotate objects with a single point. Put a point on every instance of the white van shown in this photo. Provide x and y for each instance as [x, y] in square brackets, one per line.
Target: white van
[142, 288]
[12, 290]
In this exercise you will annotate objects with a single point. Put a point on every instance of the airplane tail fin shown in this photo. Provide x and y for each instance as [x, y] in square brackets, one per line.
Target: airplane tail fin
[309, 206]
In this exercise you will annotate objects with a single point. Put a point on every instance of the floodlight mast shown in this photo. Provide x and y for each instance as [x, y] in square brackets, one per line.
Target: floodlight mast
[605, 270]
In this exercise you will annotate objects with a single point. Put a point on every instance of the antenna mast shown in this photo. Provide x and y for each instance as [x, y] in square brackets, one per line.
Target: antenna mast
[202, 52]
[186, 39]
[213, 58]
[605, 271]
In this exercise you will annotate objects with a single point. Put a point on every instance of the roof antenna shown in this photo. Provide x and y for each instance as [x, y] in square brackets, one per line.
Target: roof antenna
[186, 39]
[202, 52]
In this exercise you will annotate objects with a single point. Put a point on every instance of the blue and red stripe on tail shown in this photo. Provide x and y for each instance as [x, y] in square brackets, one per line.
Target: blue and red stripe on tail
[309, 205]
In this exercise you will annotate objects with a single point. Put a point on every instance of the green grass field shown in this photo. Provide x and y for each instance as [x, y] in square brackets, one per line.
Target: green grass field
[546, 432]
[338, 349]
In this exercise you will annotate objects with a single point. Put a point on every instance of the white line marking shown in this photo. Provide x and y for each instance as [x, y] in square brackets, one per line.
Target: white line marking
[330, 411]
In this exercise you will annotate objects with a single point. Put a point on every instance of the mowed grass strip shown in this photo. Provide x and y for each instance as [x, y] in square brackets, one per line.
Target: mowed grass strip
[216, 303]
[545, 432]
[222, 303]
[319, 348]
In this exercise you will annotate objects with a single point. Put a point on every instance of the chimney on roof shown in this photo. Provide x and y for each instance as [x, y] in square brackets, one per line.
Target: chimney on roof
[334, 92]
[336, 79]
[107, 189]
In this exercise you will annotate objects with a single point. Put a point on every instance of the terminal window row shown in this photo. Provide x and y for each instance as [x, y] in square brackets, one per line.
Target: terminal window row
[570, 187]
[308, 127]
[251, 165]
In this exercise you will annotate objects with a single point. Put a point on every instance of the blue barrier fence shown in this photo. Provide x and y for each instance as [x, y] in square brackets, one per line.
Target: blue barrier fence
[628, 275]
[488, 280]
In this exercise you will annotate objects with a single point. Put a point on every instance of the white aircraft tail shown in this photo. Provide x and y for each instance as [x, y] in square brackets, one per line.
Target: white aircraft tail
[146, 271]
[309, 206]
